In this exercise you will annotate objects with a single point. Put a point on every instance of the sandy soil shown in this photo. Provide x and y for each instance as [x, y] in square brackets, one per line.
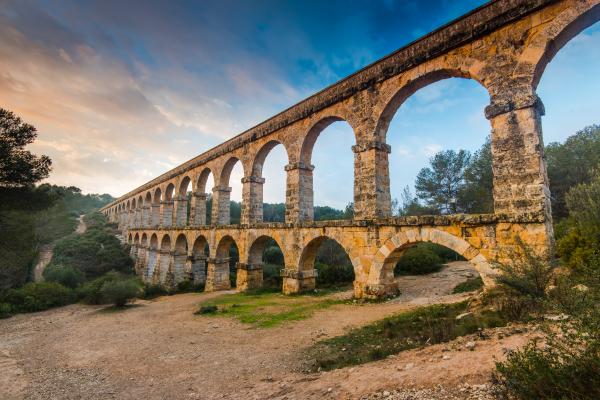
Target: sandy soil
[160, 350]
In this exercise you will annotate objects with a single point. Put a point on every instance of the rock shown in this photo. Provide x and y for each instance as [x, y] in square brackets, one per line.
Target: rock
[463, 315]
[581, 288]
[559, 317]
[409, 366]
[386, 393]
[445, 357]
[470, 346]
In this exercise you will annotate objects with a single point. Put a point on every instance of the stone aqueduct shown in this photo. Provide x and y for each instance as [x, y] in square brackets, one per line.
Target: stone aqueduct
[504, 45]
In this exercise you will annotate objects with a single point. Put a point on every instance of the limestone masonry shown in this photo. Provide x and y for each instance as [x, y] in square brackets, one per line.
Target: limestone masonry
[504, 45]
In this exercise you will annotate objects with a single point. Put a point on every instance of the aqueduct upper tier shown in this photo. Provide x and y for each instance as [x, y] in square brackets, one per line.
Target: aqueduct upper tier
[504, 45]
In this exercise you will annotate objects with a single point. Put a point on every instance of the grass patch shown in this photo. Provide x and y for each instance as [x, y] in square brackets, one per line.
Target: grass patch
[266, 308]
[408, 330]
[469, 285]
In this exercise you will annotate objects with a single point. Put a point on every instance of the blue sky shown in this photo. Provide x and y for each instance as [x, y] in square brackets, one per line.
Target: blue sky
[123, 91]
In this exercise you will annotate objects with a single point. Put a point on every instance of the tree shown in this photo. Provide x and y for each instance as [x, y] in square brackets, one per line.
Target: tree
[19, 167]
[440, 184]
[476, 196]
[570, 164]
[409, 205]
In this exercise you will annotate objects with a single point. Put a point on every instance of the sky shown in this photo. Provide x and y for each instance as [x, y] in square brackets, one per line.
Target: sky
[121, 92]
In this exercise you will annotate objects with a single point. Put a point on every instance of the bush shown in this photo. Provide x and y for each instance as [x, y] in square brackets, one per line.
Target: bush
[469, 285]
[5, 310]
[273, 255]
[188, 286]
[331, 274]
[91, 292]
[120, 292]
[152, 291]
[528, 274]
[65, 275]
[418, 260]
[272, 275]
[566, 367]
[207, 309]
[38, 297]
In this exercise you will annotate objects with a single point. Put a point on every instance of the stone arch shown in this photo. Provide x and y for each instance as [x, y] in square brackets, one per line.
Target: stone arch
[226, 171]
[255, 253]
[202, 180]
[157, 196]
[165, 260]
[152, 259]
[183, 185]
[408, 89]
[218, 276]
[556, 35]
[129, 239]
[155, 207]
[180, 258]
[169, 191]
[381, 274]
[313, 133]
[199, 256]
[136, 239]
[261, 156]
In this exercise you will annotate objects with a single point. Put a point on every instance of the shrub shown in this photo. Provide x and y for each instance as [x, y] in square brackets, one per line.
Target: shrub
[65, 275]
[273, 255]
[120, 292]
[91, 292]
[272, 275]
[331, 274]
[39, 296]
[152, 291]
[207, 309]
[5, 310]
[469, 285]
[189, 286]
[418, 260]
[528, 274]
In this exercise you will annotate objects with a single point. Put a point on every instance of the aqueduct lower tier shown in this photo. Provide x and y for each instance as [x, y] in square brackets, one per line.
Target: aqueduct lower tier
[170, 256]
[504, 45]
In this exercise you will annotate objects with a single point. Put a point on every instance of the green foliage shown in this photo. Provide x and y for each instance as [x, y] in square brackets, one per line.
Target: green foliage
[6, 310]
[334, 274]
[274, 212]
[68, 276]
[408, 330]
[272, 275]
[266, 307]
[418, 260]
[476, 195]
[17, 248]
[568, 363]
[91, 292]
[153, 291]
[330, 252]
[120, 292]
[528, 274]
[38, 297]
[440, 184]
[208, 309]
[469, 285]
[273, 255]
[94, 253]
[409, 205]
[19, 167]
[570, 164]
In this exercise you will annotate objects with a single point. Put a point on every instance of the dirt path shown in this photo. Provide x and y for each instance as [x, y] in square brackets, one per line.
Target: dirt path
[160, 350]
[46, 252]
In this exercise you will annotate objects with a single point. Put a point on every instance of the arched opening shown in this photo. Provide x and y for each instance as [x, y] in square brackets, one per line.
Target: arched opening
[440, 161]
[132, 209]
[130, 239]
[156, 200]
[167, 206]
[567, 82]
[152, 259]
[134, 246]
[147, 211]
[200, 254]
[325, 263]
[381, 274]
[139, 212]
[179, 259]
[327, 171]
[165, 260]
[265, 261]
[142, 256]
[267, 185]
[222, 269]
[183, 202]
[227, 196]
[202, 201]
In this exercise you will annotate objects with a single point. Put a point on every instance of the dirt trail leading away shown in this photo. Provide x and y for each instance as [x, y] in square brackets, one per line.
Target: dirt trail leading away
[46, 252]
[160, 350]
